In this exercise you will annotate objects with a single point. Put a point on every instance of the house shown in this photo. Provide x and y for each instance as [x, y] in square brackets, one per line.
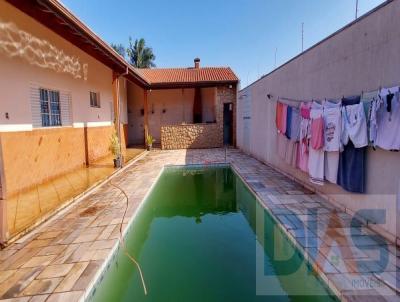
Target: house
[64, 92]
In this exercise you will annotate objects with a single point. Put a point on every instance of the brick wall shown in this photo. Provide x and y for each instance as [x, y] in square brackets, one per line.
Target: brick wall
[191, 136]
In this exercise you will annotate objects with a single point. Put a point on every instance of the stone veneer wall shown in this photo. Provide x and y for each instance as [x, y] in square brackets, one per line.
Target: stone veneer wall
[190, 136]
[198, 136]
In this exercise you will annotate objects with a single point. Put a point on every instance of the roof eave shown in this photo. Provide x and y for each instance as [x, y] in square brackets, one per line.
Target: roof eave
[192, 84]
[52, 14]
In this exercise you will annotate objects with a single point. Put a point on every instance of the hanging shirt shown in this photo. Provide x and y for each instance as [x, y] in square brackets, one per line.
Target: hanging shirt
[368, 99]
[387, 120]
[333, 126]
[333, 130]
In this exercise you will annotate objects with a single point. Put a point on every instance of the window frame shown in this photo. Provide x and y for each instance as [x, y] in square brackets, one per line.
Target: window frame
[50, 107]
[94, 103]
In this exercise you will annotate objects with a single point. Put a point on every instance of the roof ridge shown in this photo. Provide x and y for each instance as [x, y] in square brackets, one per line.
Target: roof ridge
[185, 68]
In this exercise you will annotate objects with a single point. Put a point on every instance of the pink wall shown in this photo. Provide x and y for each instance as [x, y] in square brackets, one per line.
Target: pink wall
[64, 67]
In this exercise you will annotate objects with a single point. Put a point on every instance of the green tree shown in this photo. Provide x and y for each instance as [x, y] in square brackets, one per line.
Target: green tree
[119, 48]
[140, 56]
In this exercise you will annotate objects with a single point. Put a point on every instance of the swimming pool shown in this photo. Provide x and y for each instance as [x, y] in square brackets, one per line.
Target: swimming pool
[197, 238]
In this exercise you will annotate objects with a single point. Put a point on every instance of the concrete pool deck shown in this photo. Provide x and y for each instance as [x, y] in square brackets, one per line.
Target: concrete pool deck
[60, 260]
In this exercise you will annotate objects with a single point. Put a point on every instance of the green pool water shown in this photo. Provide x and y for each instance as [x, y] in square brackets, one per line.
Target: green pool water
[202, 236]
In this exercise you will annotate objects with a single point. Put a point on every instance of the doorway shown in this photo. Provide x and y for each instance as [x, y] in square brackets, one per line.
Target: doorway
[228, 124]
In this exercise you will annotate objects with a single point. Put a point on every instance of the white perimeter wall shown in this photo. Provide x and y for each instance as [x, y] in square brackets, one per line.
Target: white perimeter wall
[362, 57]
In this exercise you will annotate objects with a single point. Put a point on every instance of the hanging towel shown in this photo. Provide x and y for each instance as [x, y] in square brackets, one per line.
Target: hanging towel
[278, 116]
[317, 133]
[295, 125]
[316, 155]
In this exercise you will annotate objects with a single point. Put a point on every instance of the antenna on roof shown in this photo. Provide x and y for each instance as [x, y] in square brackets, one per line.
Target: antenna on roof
[302, 36]
[356, 9]
[276, 50]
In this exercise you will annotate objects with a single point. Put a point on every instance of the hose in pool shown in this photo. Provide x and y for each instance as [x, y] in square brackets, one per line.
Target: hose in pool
[122, 241]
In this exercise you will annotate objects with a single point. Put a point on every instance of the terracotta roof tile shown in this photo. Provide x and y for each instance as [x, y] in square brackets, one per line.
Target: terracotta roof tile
[188, 75]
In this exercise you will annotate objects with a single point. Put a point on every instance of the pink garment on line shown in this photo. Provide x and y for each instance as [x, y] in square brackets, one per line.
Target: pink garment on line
[317, 133]
[305, 125]
[305, 109]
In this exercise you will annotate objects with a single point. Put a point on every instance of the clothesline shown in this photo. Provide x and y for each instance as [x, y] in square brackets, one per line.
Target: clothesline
[326, 99]
[331, 144]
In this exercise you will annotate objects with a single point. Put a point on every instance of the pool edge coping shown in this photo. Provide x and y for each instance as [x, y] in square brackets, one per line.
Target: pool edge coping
[293, 240]
[102, 270]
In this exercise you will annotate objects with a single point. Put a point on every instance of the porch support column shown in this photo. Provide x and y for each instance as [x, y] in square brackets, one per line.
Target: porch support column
[146, 115]
[116, 103]
[4, 234]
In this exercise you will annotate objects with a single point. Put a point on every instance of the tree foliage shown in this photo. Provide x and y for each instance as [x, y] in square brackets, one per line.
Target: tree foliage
[119, 48]
[140, 55]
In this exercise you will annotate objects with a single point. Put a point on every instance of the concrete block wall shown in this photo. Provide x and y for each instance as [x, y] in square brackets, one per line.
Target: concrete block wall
[362, 57]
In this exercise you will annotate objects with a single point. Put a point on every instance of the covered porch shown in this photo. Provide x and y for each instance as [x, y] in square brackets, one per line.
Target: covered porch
[183, 108]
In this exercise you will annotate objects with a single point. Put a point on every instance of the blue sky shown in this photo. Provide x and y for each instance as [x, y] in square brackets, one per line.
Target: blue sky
[242, 34]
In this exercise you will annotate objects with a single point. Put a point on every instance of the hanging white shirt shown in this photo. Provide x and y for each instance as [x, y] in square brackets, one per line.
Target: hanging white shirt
[388, 123]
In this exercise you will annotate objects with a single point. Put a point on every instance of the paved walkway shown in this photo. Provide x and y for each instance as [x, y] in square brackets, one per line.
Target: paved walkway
[61, 259]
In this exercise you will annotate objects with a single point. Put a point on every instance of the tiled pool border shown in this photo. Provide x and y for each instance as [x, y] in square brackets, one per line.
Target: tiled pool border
[98, 278]
[91, 289]
[310, 262]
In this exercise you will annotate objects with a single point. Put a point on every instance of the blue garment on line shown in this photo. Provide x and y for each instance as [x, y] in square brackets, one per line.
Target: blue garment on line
[288, 122]
[352, 162]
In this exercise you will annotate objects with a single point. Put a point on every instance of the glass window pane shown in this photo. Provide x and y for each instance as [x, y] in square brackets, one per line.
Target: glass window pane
[50, 108]
[45, 120]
